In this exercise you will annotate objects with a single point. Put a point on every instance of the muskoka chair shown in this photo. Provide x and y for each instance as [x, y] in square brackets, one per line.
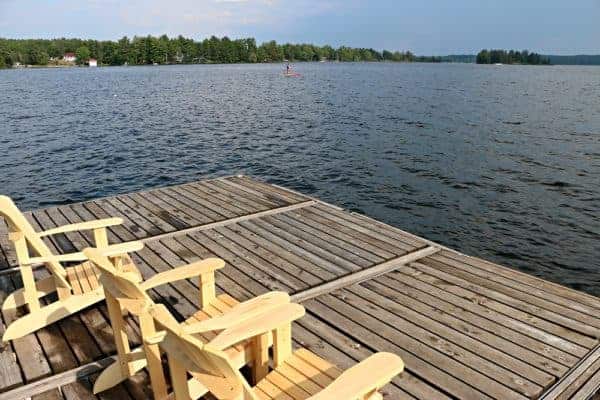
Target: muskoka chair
[124, 294]
[296, 375]
[76, 286]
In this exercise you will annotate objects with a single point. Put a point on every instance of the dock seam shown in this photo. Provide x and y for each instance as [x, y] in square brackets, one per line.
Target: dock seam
[364, 275]
[570, 376]
[211, 225]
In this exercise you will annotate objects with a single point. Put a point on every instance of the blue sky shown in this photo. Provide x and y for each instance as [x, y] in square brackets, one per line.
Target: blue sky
[422, 26]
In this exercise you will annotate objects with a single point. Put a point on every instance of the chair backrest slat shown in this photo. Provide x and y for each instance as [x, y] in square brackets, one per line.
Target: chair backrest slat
[18, 223]
[118, 283]
[212, 367]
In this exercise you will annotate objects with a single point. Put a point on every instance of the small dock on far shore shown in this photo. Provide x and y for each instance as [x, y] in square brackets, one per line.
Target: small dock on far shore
[465, 327]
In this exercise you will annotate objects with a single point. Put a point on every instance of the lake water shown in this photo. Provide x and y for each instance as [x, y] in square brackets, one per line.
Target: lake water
[498, 162]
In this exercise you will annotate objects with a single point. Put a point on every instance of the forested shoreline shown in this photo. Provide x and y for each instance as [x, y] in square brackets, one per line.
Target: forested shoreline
[165, 50]
[180, 50]
[511, 57]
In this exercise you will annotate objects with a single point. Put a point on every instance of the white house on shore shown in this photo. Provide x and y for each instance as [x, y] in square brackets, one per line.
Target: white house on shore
[69, 57]
[92, 62]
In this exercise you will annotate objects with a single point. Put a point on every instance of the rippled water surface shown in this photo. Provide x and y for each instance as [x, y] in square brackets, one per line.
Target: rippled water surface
[499, 162]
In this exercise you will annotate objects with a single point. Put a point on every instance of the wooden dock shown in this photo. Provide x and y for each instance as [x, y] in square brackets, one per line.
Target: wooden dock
[466, 328]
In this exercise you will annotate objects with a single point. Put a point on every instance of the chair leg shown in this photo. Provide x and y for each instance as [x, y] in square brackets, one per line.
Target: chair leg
[29, 289]
[155, 369]
[121, 340]
[282, 344]
[179, 380]
[260, 348]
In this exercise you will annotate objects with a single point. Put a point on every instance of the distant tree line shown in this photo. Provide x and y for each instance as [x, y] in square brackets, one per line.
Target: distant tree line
[581, 59]
[164, 50]
[407, 56]
[511, 57]
[459, 58]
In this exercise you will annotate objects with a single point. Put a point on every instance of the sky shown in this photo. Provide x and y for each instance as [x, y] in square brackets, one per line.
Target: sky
[426, 27]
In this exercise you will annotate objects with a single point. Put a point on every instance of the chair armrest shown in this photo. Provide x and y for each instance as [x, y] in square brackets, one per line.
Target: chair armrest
[121, 248]
[110, 251]
[255, 308]
[363, 379]
[71, 257]
[83, 226]
[276, 317]
[207, 266]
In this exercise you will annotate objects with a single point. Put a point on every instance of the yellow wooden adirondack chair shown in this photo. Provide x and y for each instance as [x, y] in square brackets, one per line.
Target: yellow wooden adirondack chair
[76, 286]
[296, 375]
[124, 294]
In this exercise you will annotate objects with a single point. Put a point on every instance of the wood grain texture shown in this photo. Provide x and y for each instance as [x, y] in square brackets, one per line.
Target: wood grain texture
[466, 328]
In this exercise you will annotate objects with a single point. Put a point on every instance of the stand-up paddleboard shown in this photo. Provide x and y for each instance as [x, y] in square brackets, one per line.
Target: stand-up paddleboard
[288, 72]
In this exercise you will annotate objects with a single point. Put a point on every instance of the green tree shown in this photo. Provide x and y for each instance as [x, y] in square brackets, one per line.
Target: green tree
[55, 49]
[346, 54]
[483, 57]
[250, 46]
[82, 54]
[121, 55]
[36, 56]
[271, 52]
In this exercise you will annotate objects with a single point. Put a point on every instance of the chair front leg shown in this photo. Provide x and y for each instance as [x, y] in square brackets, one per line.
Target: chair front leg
[117, 322]
[282, 344]
[100, 237]
[22, 252]
[207, 289]
[155, 369]
[260, 359]
[30, 290]
[179, 380]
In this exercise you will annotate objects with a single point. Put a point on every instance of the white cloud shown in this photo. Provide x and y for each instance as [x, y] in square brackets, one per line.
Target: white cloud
[220, 17]
[111, 19]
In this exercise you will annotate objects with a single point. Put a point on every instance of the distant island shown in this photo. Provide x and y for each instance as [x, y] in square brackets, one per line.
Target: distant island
[580, 59]
[164, 50]
[511, 57]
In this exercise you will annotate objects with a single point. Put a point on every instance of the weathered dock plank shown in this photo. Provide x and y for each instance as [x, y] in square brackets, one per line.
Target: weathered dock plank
[466, 328]
[581, 382]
